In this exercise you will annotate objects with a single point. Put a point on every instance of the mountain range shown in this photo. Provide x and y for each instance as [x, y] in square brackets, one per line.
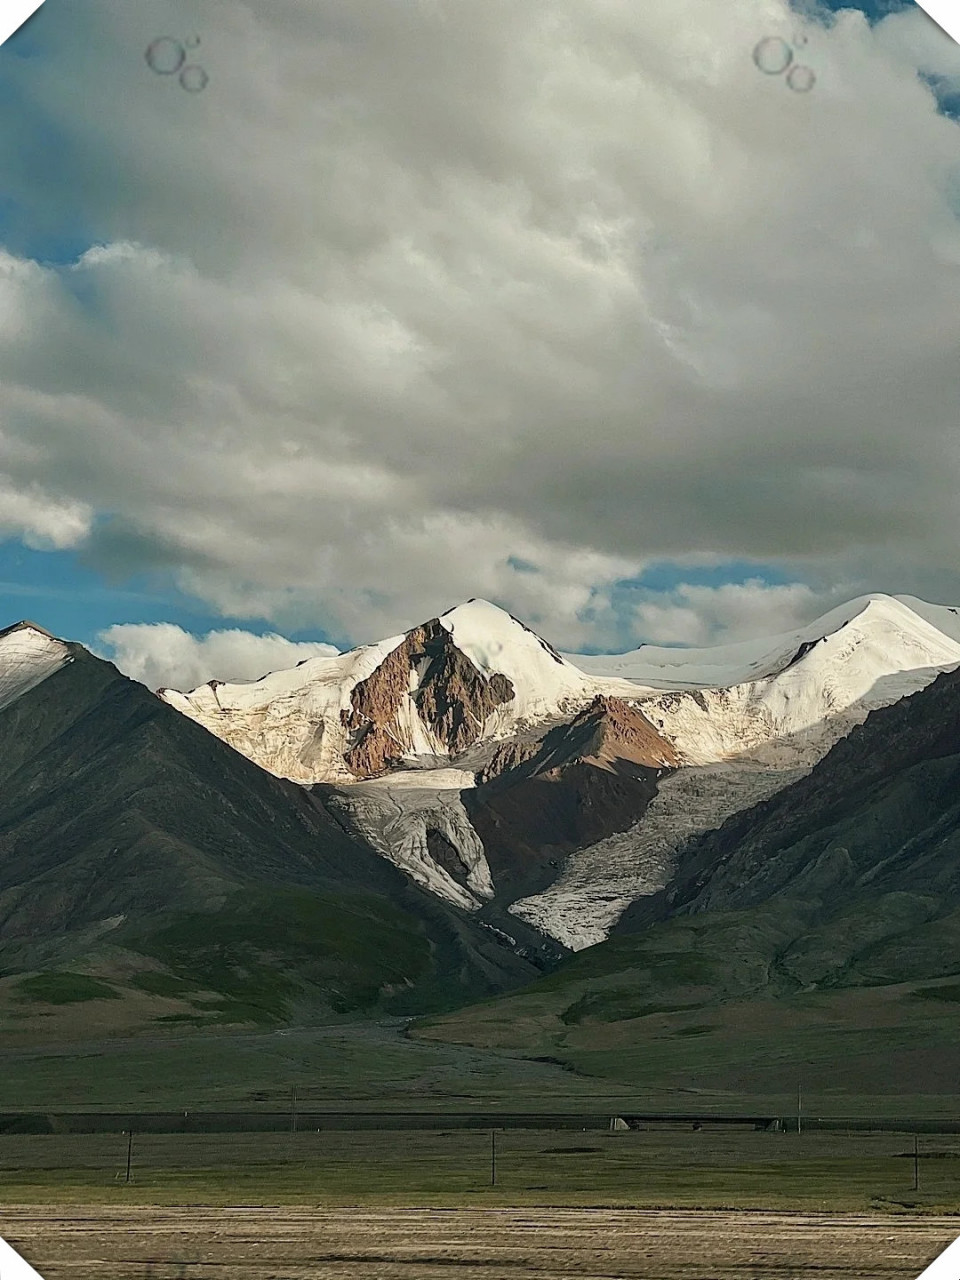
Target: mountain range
[491, 768]
[444, 815]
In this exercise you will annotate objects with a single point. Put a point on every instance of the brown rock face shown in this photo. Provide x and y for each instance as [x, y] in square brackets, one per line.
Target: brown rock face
[580, 783]
[453, 699]
[509, 755]
[621, 732]
[373, 753]
[609, 734]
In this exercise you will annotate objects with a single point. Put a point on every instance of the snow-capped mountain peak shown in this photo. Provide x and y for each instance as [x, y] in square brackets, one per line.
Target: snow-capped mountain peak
[492, 768]
[723, 666]
[475, 674]
[545, 683]
[28, 655]
[811, 687]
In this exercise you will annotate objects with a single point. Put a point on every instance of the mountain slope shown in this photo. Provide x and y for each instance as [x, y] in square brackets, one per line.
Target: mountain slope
[837, 900]
[879, 817]
[476, 675]
[538, 802]
[28, 654]
[121, 821]
[723, 666]
[460, 751]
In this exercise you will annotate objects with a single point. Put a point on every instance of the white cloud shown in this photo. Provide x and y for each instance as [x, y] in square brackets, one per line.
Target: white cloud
[701, 616]
[412, 292]
[162, 655]
[41, 521]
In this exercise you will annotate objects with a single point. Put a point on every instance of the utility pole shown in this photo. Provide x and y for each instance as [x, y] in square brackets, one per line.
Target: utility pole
[493, 1157]
[916, 1162]
[799, 1103]
[293, 1109]
[129, 1153]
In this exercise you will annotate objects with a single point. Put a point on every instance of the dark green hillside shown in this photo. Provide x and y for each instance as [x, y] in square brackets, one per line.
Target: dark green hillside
[138, 847]
[817, 931]
[879, 814]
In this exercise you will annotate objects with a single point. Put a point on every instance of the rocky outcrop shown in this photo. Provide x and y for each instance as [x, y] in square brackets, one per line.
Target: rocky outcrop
[509, 755]
[537, 802]
[609, 734]
[375, 752]
[619, 731]
[455, 698]
[429, 677]
[377, 699]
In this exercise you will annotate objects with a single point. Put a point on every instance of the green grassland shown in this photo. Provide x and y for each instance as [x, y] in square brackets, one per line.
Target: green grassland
[709, 1168]
[666, 1021]
[268, 949]
[360, 1063]
[54, 987]
[735, 1008]
[264, 958]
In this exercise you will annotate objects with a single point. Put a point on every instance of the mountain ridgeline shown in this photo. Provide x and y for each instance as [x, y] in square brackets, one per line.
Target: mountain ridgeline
[446, 815]
[136, 844]
[866, 848]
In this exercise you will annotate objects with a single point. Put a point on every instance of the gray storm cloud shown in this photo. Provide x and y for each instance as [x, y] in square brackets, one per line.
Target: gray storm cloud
[427, 300]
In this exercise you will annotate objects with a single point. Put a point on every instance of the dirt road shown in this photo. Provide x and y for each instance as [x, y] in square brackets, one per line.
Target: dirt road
[492, 1244]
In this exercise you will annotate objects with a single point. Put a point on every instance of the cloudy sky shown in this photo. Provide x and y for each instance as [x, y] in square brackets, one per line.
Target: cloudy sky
[563, 303]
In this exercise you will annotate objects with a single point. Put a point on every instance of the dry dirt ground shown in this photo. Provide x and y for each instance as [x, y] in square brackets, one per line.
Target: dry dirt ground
[495, 1244]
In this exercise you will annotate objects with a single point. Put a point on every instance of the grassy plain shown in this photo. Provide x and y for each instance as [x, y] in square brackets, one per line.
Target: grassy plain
[655, 1204]
[875, 1051]
[710, 1168]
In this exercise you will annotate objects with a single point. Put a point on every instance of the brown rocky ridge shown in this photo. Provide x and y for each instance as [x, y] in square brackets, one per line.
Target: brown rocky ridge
[508, 755]
[583, 781]
[453, 700]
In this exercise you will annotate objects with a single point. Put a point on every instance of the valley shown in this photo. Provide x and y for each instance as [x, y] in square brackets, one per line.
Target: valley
[558, 889]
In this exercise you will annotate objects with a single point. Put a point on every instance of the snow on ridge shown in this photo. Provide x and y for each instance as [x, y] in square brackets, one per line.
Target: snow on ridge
[724, 666]
[743, 744]
[817, 681]
[750, 715]
[882, 653]
[944, 617]
[28, 655]
[289, 721]
[546, 683]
